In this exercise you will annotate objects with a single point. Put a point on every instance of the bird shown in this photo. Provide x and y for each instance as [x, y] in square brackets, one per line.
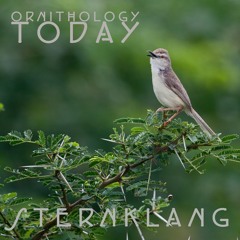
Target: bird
[169, 90]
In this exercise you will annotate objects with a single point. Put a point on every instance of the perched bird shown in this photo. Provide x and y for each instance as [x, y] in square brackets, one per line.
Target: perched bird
[170, 91]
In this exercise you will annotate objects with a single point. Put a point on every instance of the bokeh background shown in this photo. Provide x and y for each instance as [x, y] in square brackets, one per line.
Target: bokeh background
[79, 89]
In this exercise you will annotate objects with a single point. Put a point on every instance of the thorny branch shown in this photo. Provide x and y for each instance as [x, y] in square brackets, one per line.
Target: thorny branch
[64, 194]
[119, 176]
[8, 223]
[104, 184]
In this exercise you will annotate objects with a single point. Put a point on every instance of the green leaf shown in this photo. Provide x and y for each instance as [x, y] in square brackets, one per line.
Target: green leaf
[230, 138]
[53, 142]
[97, 160]
[129, 120]
[222, 160]
[230, 152]
[15, 137]
[220, 147]
[192, 138]
[136, 130]
[8, 196]
[20, 175]
[28, 135]
[90, 174]
[27, 233]
[18, 201]
[41, 138]
[41, 152]
[137, 185]
[114, 185]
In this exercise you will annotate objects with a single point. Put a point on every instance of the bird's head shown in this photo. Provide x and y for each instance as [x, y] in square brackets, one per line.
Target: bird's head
[159, 58]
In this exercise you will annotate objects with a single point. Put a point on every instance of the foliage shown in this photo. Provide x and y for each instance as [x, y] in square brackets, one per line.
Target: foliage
[102, 181]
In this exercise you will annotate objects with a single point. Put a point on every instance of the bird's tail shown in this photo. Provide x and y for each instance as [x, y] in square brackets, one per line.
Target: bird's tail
[203, 125]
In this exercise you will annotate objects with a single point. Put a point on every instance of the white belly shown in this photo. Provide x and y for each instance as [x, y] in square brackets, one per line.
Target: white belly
[164, 95]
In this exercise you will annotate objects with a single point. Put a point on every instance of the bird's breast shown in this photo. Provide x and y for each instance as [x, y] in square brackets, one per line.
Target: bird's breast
[163, 93]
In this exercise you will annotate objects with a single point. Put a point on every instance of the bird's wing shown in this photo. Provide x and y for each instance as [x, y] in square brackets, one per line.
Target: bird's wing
[176, 86]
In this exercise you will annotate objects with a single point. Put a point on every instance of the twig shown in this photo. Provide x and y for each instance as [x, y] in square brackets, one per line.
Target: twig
[52, 223]
[64, 194]
[8, 223]
[196, 146]
[45, 229]
[114, 179]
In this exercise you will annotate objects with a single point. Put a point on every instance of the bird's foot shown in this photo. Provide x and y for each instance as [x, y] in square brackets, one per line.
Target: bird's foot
[166, 123]
[163, 111]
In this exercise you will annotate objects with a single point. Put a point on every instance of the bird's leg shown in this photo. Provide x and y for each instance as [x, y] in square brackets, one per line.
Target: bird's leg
[178, 109]
[163, 110]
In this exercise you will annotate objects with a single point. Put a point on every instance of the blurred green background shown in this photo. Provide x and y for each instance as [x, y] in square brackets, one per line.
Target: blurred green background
[79, 89]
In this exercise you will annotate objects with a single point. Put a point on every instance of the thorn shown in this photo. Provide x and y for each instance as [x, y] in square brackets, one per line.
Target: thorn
[179, 158]
[139, 230]
[37, 166]
[149, 176]
[124, 195]
[154, 200]
[184, 143]
[110, 140]
[65, 180]
[60, 200]
[162, 218]
[63, 160]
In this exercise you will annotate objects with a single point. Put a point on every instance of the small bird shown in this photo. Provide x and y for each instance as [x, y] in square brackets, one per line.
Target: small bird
[170, 91]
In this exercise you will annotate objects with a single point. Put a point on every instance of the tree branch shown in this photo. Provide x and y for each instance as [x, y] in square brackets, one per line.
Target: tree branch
[8, 223]
[45, 229]
[64, 194]
[105, 183]
[52, 223]
[119, 176]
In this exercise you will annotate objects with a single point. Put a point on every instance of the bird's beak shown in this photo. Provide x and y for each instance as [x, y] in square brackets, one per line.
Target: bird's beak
[151, 54]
